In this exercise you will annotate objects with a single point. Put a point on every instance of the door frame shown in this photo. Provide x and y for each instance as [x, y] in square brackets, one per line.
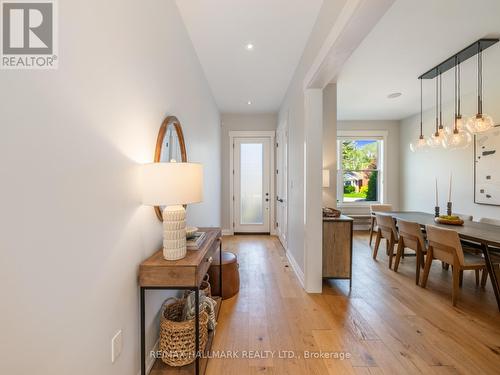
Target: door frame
[271, 134]
[283, 175]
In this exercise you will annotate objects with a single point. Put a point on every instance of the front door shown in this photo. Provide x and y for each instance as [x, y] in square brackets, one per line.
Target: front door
[252, 185]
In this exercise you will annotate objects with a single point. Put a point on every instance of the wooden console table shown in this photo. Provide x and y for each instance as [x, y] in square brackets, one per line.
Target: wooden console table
[337, 248]
[156, 273]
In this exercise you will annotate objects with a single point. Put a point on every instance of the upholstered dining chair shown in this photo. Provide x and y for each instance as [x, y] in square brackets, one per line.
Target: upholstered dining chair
[487, 220]
[411, 237]
[373, 222]
[386, 228]
[444, 245]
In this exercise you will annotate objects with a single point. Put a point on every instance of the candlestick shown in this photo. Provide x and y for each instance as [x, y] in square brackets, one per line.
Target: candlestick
[436, 211]
[448, 209]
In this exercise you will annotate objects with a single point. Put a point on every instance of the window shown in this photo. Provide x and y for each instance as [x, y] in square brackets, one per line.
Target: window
[360, 168]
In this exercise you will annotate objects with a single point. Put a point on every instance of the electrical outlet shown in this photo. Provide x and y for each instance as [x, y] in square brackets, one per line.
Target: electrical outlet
[116, 346]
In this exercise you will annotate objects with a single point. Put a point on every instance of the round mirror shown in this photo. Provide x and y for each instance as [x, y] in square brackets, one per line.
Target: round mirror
[170, 147]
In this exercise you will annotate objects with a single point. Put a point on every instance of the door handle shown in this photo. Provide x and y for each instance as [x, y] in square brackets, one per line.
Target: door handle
[280, 200]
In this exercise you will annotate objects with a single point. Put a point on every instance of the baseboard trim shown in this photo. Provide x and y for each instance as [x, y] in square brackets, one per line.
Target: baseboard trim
[296, 269]
[227, 232]
[362, 227]
[149, 360]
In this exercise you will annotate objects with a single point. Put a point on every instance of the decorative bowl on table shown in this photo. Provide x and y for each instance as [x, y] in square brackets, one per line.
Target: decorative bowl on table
[191, 231]
[449, 220]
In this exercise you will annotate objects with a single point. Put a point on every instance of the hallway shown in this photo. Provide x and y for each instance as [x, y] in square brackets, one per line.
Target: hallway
[385, 325]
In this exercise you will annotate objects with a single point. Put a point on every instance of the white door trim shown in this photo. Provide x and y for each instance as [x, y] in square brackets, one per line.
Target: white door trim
[282, 229]
[271, 134]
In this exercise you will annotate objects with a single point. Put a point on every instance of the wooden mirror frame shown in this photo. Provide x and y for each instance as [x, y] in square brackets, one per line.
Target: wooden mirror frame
[169, 120]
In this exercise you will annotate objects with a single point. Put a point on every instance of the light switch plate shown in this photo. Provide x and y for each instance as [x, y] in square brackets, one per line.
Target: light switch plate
[116, 346]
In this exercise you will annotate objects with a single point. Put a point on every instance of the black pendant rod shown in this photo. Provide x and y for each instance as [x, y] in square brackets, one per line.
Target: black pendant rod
[421, 110]
[459, 57]
[437, 108]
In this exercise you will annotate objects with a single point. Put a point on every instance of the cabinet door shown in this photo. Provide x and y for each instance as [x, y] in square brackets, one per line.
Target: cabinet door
[337, 249]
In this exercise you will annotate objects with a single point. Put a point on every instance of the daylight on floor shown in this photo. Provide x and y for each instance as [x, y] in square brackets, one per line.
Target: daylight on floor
[241, 187]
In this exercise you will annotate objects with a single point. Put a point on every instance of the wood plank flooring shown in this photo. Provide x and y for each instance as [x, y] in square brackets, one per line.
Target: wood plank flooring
[385, 324]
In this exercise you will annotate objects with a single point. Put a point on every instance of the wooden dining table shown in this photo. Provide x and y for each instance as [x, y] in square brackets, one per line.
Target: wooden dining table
[483, 236]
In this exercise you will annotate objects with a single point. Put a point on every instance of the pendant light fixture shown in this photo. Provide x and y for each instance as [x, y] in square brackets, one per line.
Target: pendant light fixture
[458, 137]
[436, 139]
[481, 122]
[420, 144]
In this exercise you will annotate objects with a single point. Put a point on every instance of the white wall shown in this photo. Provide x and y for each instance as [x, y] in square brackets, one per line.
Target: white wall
[238, 122]
[73, 229]
[392, 172]
[418, 170]
[329, 143]
[293, 106]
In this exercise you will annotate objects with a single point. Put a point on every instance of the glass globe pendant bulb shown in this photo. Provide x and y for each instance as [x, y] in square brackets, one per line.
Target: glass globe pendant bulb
[436, 139]
[480, 123]
[457, 140]
[418, 145]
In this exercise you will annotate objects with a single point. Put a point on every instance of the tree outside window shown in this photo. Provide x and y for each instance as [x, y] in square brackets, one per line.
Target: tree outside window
[359, 169]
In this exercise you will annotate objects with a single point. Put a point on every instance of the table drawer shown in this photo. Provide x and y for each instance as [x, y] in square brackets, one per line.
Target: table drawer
[207, 261]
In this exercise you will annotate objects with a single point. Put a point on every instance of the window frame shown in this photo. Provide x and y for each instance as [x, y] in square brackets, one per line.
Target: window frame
[379, 135]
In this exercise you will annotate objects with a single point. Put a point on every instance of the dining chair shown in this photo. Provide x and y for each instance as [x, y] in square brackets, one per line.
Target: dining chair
[386, 228]
[373, 222]
[444, 245]
[411, 237]
[487, 220]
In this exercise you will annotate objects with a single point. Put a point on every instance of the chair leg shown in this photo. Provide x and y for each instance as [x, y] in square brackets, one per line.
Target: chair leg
[477, 277]
[372, 225]
[484, 277]
[456, 285]
[427, 268]
[399, 250]
[390, 248]
[418, 264]
[377, 244]
[461, 278]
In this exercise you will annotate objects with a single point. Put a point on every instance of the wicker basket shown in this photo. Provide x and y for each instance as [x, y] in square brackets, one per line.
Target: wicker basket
[204, 287]
[177, 338]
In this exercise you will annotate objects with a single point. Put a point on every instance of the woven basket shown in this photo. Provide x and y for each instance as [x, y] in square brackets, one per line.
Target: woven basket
[177, 338]
[204, 287]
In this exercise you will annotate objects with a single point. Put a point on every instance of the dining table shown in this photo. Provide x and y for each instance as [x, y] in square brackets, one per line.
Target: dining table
[480, 235]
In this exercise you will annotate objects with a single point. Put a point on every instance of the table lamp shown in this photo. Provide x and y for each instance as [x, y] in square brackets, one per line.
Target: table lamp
[172, 185]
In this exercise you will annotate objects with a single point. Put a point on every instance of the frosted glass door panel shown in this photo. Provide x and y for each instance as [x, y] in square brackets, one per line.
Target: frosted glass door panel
[251, 184]
[251, 179]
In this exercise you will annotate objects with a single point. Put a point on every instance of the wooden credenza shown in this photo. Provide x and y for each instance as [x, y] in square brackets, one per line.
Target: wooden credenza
[337, 248]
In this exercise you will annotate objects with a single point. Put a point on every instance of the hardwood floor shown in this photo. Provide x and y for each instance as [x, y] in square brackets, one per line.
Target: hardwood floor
[386, 324]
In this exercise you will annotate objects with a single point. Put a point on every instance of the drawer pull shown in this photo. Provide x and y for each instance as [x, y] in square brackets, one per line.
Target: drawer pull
[210, 259]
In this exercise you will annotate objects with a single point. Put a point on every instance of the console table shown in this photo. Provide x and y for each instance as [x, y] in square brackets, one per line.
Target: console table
[156, 273]
[337, 248]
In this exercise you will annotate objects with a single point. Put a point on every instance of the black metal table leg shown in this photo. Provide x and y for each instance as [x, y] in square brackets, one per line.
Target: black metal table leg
[143, 333]
[491, 271]
[220, 268]
[197, 329]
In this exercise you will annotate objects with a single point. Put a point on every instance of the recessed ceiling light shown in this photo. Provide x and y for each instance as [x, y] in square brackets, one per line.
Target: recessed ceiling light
[249, 46]
[249, 102]
[394, 95]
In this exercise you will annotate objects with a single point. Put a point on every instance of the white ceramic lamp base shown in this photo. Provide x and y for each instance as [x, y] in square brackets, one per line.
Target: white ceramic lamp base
[174, 232]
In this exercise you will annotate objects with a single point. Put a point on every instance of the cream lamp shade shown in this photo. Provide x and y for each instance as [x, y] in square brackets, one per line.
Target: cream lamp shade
[168, 184]
[326, 178]
[172, 185]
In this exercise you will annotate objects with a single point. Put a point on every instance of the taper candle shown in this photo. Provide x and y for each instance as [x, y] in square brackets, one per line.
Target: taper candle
[449, 192]
[437, 200]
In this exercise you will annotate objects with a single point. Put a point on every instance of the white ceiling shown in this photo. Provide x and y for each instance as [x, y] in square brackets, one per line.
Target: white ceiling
[220, 30]
[412, 37]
